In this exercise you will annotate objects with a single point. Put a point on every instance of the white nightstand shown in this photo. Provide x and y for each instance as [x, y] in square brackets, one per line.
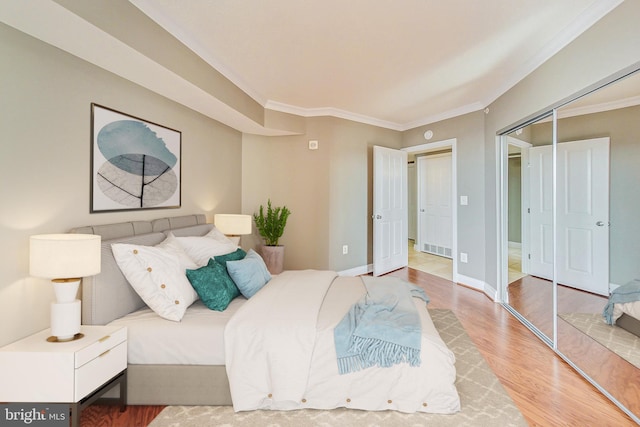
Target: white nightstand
[75, 372]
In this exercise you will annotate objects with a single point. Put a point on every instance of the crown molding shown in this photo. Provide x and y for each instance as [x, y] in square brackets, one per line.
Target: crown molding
[149, 8]
[332, 112]
[582, 23]
[465, 109]
[599, 108]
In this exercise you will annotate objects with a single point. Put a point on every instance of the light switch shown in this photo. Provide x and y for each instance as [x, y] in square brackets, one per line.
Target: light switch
[464, 200]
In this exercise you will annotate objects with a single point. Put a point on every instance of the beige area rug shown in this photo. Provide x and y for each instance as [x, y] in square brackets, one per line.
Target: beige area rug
[483, 399]
[616, 339]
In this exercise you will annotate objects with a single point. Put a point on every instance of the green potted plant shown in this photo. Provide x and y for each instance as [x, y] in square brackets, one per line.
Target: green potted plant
[270, 225]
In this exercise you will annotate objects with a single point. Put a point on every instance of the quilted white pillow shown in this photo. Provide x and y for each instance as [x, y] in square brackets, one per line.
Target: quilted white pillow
[158, 277]
[202, 249]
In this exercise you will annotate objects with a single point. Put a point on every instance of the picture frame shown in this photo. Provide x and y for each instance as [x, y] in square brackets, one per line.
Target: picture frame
[135, 163]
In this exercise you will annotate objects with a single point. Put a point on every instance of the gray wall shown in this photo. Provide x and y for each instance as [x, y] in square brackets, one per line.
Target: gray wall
[44, 157]
[329, 190]
[468, 129]
[515, 200]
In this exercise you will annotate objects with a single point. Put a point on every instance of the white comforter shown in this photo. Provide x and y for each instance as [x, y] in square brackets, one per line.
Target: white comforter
[280, 353]
[630, 308]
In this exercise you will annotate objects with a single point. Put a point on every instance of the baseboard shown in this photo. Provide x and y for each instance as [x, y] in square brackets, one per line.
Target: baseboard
[357, 271]
[469, 282]
[613, 287]
[478, 285]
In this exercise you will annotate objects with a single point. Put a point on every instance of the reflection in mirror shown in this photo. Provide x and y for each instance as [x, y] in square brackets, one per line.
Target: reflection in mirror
[598, 162]
[529, 287]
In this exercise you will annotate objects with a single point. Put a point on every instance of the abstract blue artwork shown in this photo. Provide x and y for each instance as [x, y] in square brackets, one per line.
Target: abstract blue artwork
[135, 163]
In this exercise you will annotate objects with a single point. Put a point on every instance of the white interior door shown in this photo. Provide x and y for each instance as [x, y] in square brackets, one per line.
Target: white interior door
[390, 250]
[582, 214]
[435, 204]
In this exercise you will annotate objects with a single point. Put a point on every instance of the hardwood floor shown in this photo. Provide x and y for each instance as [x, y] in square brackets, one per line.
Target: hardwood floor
[532, 297]
[110, 416]
[547, 391]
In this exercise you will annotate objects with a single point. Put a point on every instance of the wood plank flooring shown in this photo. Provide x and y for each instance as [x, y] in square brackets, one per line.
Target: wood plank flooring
[532, 296]
[547, 391]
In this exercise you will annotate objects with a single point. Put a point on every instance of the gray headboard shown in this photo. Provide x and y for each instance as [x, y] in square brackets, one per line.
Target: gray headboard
[108, 295]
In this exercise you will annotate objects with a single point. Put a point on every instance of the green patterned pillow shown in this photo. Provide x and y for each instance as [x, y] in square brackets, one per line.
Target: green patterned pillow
[213, 285]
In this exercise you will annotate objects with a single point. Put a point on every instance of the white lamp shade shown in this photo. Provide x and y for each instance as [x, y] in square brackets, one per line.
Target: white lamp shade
[233, 225]
[64, 256]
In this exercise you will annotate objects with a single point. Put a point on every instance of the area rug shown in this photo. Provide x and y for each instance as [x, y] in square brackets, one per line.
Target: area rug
[483, 400]
[616, 339]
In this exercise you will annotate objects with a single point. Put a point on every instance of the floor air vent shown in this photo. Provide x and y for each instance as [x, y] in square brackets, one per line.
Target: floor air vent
[437, 250]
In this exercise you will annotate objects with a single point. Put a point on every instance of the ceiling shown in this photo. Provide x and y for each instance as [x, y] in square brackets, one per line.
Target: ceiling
[394, 64]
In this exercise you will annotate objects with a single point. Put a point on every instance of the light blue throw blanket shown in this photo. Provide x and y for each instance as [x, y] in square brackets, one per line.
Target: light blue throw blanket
[382, 329]
[626, 293]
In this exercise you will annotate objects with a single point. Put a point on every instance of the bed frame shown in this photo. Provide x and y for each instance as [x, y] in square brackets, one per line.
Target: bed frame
[108, 296]
[629, 323]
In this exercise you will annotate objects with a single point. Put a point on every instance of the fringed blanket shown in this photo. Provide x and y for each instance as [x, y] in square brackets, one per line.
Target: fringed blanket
[626, 293]
[382, 329]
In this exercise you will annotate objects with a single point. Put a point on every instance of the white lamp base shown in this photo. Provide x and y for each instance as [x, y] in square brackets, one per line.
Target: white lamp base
[66, 311]
[65, 320]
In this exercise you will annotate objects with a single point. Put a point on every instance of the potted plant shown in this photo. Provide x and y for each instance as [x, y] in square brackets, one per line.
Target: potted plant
[270, 225]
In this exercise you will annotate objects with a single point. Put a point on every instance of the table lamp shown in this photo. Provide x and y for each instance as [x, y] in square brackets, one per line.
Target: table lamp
[233, 225]
[64, 258]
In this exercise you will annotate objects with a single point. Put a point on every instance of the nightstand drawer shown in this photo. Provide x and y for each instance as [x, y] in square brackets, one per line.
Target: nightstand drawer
[100, 345]
[99, 370]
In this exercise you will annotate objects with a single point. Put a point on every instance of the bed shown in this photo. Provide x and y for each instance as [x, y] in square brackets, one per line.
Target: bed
[623, 307]
[191, 361]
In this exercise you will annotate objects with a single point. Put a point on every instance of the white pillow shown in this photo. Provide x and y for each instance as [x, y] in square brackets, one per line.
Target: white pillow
[218, 235]
[202, 249]
[158, 277]
[173, 247]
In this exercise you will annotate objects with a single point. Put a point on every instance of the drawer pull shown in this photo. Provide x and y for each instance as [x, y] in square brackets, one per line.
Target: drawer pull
[103, 339]
[105, 353]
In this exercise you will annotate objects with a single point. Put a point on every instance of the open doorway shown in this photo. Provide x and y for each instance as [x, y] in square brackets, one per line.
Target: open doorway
[518, 204]
[432, 244]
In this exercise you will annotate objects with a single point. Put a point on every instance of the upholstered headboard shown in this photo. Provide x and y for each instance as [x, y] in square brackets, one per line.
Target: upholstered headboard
[108, 295]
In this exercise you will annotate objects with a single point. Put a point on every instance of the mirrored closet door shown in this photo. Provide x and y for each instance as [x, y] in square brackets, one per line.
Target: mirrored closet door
[529, 231]
[579, 198]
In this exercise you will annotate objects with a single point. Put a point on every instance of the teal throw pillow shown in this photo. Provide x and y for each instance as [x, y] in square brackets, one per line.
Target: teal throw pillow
[238, 254]
[233, 256]
[249, 274]
[213, 285]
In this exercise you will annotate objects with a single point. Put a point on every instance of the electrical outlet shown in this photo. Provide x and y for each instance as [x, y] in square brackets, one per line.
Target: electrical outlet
[345, 249]
[463, 257]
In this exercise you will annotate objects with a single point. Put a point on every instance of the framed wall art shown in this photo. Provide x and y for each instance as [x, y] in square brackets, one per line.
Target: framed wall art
[135, 164]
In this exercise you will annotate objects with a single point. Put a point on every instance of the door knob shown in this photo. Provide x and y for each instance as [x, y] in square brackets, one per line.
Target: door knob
[600, 223]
